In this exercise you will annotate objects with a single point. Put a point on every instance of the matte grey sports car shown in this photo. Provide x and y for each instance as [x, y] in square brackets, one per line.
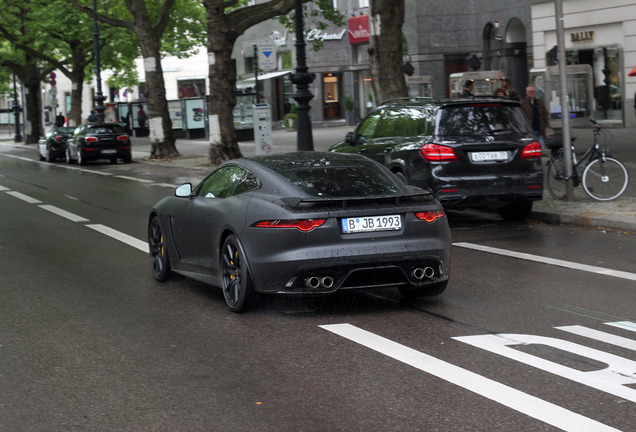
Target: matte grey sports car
[301, 223]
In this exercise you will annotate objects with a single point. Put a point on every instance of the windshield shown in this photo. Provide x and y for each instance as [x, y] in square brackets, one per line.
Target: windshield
[481, 119]
[343, 181]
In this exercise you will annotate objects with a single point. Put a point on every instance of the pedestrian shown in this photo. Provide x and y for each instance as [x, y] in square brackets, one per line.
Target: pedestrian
[500, 93]
[537, 114]
[59, 120]
[468, 88]
[509, 91]
[92, 118]
[142, 118]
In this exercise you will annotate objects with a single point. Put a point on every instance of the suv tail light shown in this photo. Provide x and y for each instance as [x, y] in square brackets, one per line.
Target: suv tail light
[438, 153]
[301, 224]
[91, 139]
[122, 138]
[531, 151]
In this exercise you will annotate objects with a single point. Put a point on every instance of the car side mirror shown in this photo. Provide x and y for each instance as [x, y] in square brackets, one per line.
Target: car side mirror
[349, 138]
[183, 191]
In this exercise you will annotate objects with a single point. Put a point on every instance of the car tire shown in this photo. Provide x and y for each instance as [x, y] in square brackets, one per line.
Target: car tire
[425, 291]
[519, 210]
[127, 159]
[49, 156]
[401, 176]
[68, 156]
[40, 154]
[81, 159]
[237, 286]
[159, 260]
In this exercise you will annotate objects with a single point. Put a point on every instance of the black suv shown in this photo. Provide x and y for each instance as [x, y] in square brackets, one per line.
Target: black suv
[469, 152]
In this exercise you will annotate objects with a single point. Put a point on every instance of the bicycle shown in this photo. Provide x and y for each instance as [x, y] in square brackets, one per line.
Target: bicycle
[604, 178]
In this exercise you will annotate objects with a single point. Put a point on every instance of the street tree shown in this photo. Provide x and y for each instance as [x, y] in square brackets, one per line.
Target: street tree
[169, 26]
[226, 21]
[385, 49]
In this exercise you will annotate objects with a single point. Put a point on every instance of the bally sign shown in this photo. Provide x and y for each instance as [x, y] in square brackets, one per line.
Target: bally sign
[358, 29]
[585, 36]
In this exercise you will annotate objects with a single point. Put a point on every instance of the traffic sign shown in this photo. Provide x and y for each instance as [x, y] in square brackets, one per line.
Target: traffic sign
[267, 56]
[52, 82]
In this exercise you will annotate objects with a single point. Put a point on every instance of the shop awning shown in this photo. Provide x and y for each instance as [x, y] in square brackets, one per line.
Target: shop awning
[267, 76]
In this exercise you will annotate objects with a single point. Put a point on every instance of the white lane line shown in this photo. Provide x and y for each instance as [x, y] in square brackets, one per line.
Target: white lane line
[24, 197]
[600, 336]
[140, 180]
[166, 185]
[545, 260]
[65, 214]
[530, 405]
[626, 325]
[118, 235]
[2, 188]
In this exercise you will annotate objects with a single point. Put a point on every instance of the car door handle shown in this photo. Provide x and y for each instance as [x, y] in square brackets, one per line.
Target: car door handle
[387, 149]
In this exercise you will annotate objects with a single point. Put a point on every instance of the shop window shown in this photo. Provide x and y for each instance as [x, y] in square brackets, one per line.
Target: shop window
[331, 96]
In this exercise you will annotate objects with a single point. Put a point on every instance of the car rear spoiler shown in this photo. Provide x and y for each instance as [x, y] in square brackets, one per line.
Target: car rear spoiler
[297, 201]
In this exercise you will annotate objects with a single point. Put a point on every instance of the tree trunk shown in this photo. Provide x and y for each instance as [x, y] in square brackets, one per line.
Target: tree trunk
[77, 79]
[221, 100]
[33, 128]
[385, 51]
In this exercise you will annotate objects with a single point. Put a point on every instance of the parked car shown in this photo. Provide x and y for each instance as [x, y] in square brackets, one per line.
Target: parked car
[469, 152]
[301, 223]
[53, 145]
[98, 141]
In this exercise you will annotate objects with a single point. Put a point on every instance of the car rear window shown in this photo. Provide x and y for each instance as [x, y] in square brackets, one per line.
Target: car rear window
[343, 181]
[105, 129]
[481, 118]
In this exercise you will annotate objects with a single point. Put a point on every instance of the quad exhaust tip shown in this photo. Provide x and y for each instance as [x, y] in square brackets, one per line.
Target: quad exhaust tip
[420, 273]
[315, 282]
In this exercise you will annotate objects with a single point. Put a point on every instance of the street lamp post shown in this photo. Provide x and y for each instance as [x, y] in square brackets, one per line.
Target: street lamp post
[99, 96]
[16, 112]
[301, 79]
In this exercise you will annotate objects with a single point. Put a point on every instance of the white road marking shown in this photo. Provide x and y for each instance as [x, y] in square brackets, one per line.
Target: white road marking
[625, 325]
[24, 197]
[545, 260]
[2, 188]
[68, 215]
[140, 180]
[530, 405]
[118, 235]
[600, 336]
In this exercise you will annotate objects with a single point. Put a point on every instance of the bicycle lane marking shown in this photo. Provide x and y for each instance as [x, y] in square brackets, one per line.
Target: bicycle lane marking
[551, 261]
[515, 399]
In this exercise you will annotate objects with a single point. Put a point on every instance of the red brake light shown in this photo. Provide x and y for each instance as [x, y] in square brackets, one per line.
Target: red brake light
[438, 153]
[430, 216]
[58, 138]
[531, 151]
[302, 224]
[91, 139]
[122, 138]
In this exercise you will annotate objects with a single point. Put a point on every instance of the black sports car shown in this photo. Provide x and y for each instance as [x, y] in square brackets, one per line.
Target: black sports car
[53, 145]
[301, 223]
[95, 141]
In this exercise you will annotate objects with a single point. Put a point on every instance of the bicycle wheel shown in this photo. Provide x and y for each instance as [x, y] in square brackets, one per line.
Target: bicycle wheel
[555, 177]
[606, 179]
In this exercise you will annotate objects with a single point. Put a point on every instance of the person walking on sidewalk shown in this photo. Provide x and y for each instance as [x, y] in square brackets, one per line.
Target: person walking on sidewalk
[468, 88]
[536, 113]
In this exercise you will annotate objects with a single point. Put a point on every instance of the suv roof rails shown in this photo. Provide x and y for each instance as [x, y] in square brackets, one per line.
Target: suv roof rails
[411, 99]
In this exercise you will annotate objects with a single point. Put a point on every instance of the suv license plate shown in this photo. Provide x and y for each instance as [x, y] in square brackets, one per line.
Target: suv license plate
[371, 223]
[488, 156]
[109, 151]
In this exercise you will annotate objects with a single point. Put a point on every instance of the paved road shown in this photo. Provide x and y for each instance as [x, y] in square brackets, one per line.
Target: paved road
[534, 333]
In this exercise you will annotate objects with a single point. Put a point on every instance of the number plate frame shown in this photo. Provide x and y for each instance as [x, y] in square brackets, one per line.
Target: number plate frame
[363, 224]
[489, 156]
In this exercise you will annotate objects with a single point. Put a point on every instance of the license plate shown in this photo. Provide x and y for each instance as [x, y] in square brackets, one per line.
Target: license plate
[371, 223]
[488, 156]
[109, 151]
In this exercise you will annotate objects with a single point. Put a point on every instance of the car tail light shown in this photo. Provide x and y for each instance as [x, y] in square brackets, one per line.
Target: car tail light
[59, 138]
[122, 138]
[438, 153]
[531, 151]
[430, 216]
[301, 224]
[91, 139]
